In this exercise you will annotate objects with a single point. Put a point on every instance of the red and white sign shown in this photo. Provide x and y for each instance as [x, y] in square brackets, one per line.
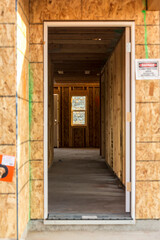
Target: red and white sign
[7, 165]
[147, 69]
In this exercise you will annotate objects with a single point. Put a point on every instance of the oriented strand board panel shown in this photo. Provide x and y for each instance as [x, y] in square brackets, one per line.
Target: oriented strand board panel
[22, 51]
[36, 77]
[7, 37]
[147, 113]
[37, 121]
[153, 51]
[36, 150]
[8, 72]
[8, 120]
[23, 150]
[147, 91]
[8, 217]
[23, 208]
[7, 9]
[36, 34]
[54, 10]
[148, 122]
[148, 200]
[148, 171]
[23, 121]
[37, 199]
[37, 170]
[148, 151]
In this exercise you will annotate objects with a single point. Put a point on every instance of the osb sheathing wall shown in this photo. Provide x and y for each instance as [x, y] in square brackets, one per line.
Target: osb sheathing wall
[23, 113]
[8, 113]
[147, 92]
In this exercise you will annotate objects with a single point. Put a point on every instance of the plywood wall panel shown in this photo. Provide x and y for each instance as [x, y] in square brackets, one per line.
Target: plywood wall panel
[8, 120]
[147, 91]
[36, 53]
[36, 77]
[54, 10]
[37, 170]
[7, 72]
[36, 150]
[148, 151]
[7, 9]
[37, 199]
[148, 200]
[36, 33]
[37, 121]
[153, 51]
[147, 126]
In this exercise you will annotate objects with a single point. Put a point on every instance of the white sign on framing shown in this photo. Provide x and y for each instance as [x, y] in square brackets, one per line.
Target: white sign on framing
[147, 69]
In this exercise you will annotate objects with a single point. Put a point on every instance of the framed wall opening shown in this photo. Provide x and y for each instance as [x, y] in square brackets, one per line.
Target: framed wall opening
[129, 125]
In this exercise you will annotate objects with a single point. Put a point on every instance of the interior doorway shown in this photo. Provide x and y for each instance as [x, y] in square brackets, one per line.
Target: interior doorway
[92, 136]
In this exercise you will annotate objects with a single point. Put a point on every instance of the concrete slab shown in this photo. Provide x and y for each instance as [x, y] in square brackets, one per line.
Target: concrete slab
[97, 235]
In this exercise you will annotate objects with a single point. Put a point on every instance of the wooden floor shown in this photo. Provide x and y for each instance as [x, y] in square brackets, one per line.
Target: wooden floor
[80, 183]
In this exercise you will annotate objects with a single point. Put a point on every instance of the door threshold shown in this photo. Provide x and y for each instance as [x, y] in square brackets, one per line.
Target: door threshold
[89, 219]
[86, 216]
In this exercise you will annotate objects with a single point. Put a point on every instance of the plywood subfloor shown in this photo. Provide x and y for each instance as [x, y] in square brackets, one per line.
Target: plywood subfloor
[80, 183]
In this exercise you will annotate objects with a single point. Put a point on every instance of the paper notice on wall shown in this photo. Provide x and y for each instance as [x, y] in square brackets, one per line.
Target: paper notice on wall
[8, 160]
[7, 166]
[147, 69]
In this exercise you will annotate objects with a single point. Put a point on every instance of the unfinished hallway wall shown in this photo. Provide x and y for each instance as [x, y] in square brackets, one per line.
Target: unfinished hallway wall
[147, 92]
[113, 105]
[79, 136]
[8, 113]
[23, 113]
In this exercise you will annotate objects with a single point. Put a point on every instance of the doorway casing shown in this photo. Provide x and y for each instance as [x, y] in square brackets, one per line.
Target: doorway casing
[130, 127]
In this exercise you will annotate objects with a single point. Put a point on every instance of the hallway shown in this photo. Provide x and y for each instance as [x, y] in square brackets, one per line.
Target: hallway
[80, 183]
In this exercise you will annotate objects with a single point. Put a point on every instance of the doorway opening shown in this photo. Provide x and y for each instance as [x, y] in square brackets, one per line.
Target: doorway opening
[89, 165]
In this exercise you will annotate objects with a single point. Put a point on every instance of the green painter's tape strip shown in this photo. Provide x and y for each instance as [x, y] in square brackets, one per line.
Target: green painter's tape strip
[30, 120]
[145, 35]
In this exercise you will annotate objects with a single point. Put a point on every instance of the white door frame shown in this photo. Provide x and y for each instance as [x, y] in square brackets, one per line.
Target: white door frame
[131, 154]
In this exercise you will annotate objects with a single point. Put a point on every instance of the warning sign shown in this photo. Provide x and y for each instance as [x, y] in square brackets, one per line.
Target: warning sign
[147, 69]
[7, 165]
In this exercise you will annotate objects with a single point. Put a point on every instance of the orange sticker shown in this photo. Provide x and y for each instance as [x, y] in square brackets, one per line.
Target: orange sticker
[7, 165]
